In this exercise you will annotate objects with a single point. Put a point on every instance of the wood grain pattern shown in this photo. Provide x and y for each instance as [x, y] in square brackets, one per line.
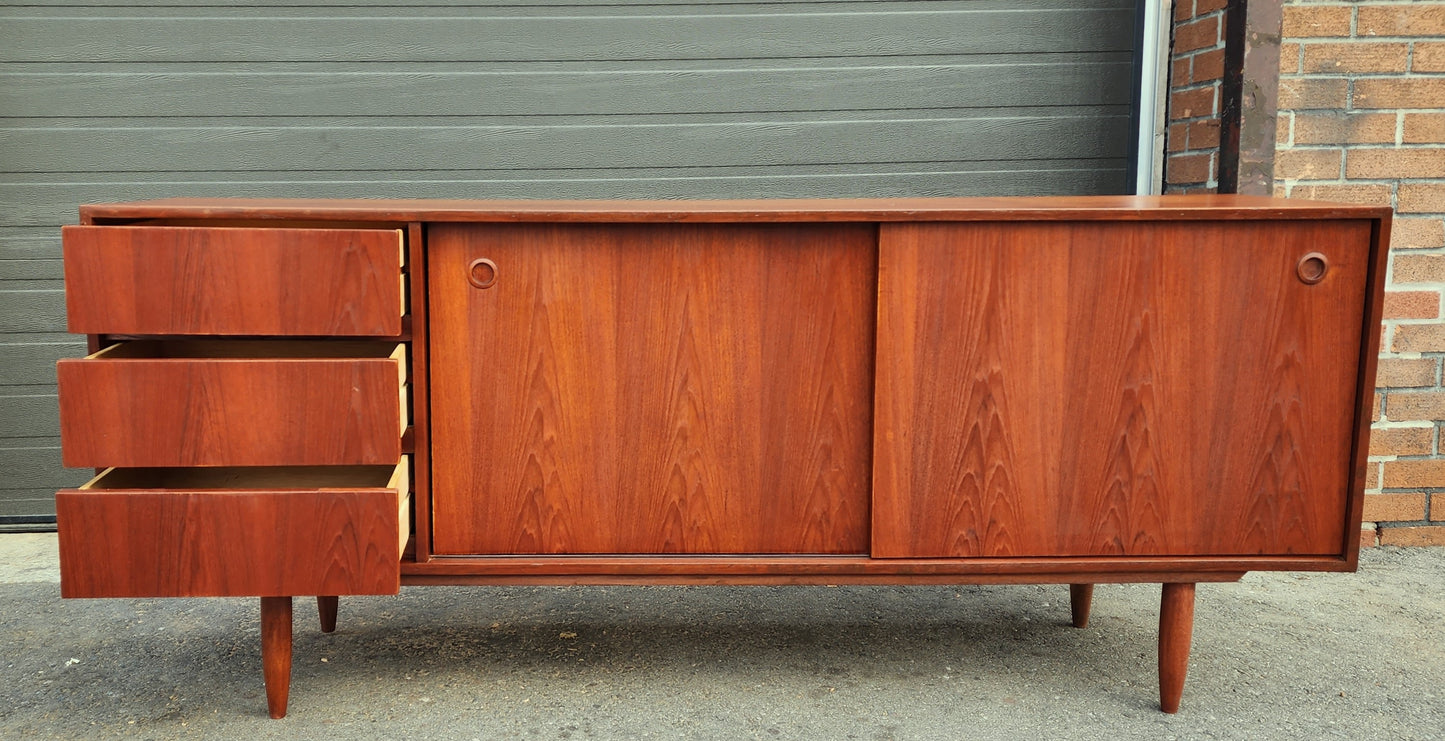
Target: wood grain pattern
[420, 392]
[168, 404]
[1176, 632]
[650, 389]
[1369, 356]
[1071, 391]
[1081, 600]
[276, 617]
[1198, 207]
[1105, 389]
[326, 608]
[224, 281]
[170, 540]
[479, 579]
[1027, 570]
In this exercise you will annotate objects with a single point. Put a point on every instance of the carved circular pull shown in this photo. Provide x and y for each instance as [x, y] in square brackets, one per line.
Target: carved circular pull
[482, 273]
[1312, 268]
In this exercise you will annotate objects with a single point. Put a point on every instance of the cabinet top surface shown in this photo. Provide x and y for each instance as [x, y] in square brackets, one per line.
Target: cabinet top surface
[1036, 208]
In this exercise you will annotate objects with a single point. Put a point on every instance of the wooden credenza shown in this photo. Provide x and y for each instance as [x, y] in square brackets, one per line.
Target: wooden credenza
[331, 398]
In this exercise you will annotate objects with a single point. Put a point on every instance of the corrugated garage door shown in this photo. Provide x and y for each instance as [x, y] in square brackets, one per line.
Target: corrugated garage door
[106, 100]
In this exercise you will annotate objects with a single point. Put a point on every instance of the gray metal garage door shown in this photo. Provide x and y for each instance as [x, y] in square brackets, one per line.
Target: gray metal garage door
[107, 100]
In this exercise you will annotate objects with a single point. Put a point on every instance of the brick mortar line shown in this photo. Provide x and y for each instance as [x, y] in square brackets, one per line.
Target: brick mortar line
[1194, 119]
[1353, 146]
[1396, 111]
[1392, 524]
[1374, 111]
[1191, 55]
[1342, 113]
[1371, 181]
[1195, 86]
[1363, 75]
[1218, 13]
[1356, 79]
[1180, 56]
[1406, 111]
[1368, 181]
[1384, 146]
[1433, 386]
[1311, 40]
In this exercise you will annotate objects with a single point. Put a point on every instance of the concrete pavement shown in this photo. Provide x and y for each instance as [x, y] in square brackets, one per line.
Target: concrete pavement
[1276, 656]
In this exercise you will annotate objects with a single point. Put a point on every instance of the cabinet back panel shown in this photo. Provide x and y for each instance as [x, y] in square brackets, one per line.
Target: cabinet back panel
[1076, 389]
[652, 388]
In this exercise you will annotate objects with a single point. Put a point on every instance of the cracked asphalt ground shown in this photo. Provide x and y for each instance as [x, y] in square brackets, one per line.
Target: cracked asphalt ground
[1276, 656]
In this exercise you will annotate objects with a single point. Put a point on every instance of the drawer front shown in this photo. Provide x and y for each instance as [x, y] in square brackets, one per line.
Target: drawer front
[117, 409]
[135, 541]
[162, 280]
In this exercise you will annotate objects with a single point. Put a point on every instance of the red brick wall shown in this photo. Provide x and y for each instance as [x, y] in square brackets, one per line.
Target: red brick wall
[1196, 70]
[1362, 118]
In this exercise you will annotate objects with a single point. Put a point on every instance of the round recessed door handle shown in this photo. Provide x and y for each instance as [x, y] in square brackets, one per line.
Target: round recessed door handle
[1312, 267]
[482, 273]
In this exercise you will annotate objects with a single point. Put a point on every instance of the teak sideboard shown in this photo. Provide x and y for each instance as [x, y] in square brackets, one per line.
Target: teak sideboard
[329, 398]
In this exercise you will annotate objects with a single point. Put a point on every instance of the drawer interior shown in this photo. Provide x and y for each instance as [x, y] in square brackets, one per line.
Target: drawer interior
[266, 478]
[251, 349]
[255, 477]
[213, 532]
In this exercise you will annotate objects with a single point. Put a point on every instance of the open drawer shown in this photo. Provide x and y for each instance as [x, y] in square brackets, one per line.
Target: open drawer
[235, 532]
[155, 403]
[168, 280]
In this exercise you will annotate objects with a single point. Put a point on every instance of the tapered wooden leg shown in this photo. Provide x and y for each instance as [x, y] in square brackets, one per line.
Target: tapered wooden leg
[1081, 598]
[1176, 628]
[276, 652]
[326, 606]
